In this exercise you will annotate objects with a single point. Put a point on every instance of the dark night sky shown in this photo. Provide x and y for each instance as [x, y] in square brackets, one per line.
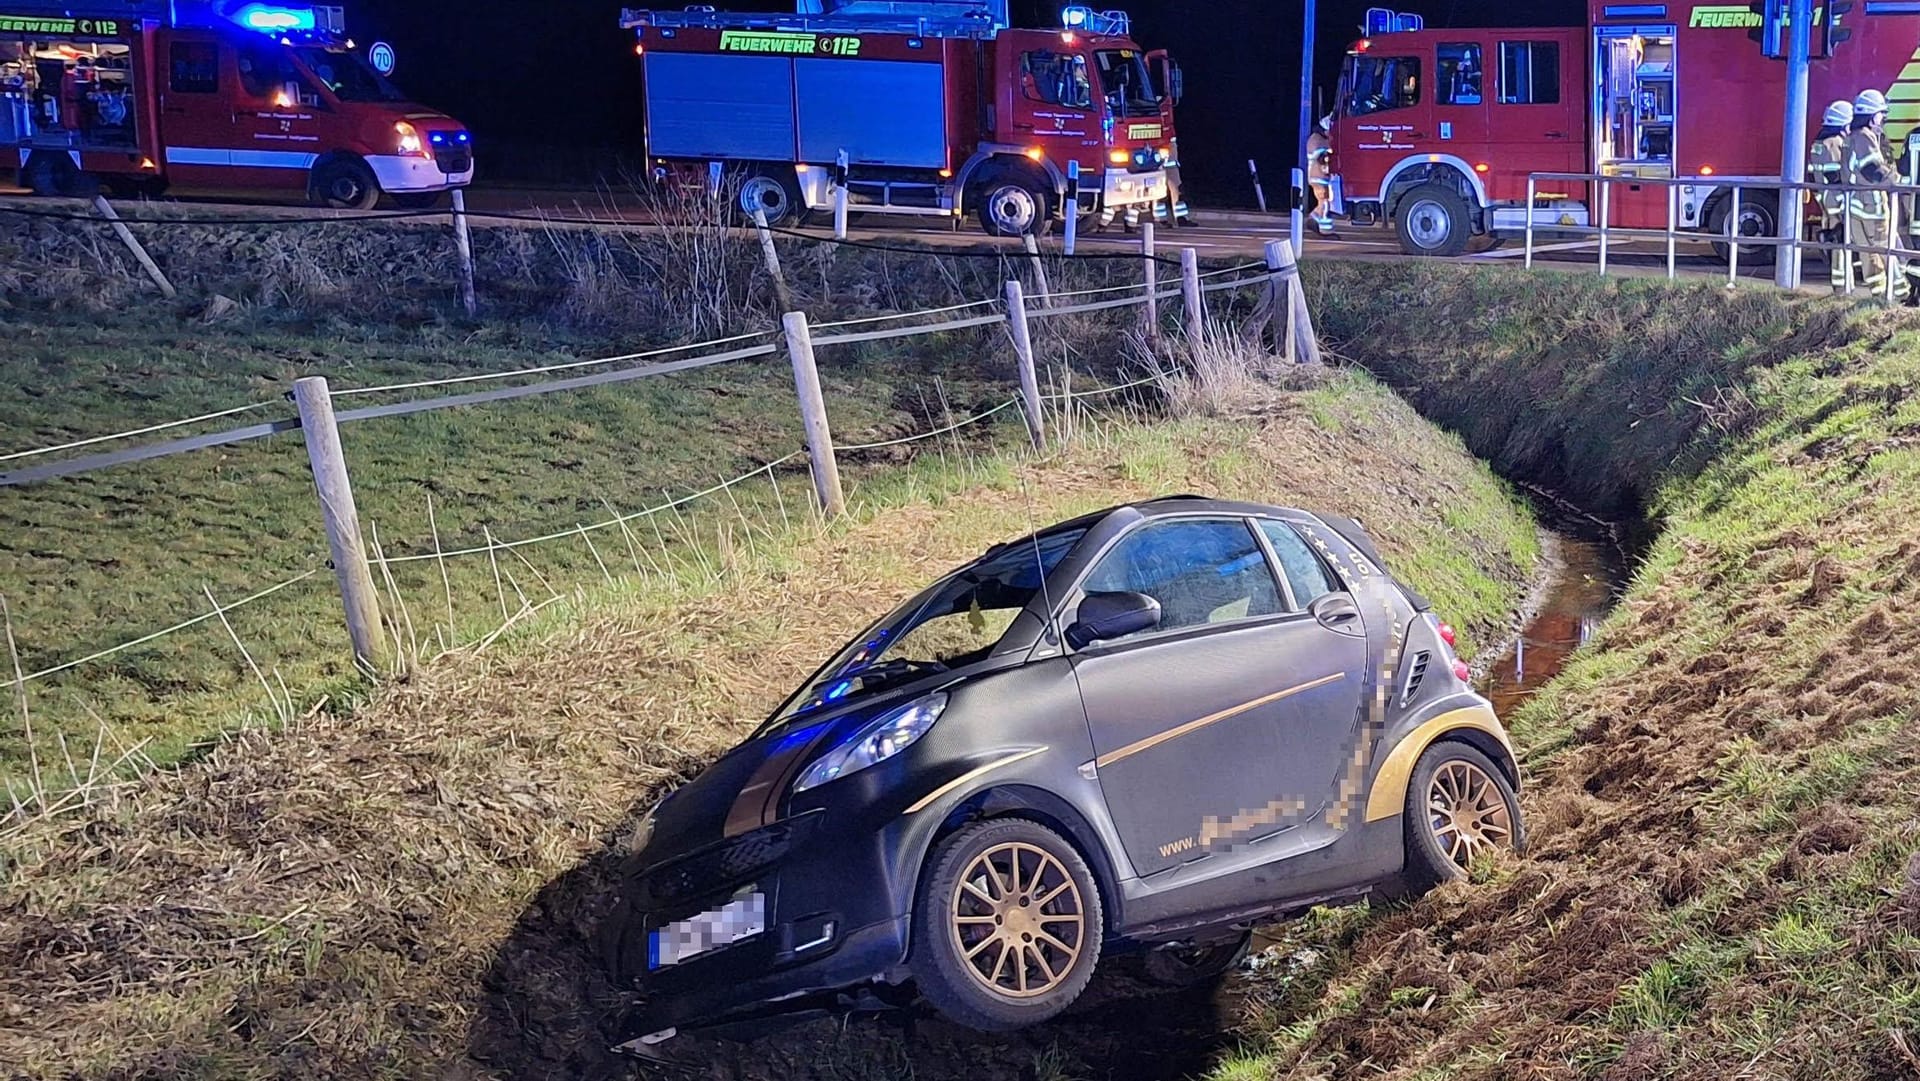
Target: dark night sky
[561, 74]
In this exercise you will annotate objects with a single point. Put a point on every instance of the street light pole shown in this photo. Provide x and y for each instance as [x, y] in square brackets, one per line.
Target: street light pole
[1307, 41]
[1793, 143]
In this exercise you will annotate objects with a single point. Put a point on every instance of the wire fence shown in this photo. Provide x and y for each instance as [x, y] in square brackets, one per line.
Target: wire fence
[704, 354]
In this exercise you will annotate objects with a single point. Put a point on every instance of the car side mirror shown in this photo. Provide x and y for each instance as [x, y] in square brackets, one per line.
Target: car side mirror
[1106, 616]
[1177, 85]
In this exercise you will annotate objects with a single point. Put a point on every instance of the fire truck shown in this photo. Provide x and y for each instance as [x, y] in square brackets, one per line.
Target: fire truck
[919, 107]
[1437, 131]
[135, 95]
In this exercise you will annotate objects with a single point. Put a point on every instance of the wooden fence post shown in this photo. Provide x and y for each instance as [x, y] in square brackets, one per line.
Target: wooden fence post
[1040, 282]
[1288, 300]
[1029, 376]
[1152, 274]
[342, 522]
[1191, 295]
[772, 256]
[813, 415]
[463, 240]
[133, 244]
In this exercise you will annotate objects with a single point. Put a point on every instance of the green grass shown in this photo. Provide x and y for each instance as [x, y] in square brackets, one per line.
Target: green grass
[93, 561]
[464, 816]
[1721, 784]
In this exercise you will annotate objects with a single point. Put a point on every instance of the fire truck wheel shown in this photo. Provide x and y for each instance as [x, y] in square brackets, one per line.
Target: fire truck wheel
[1759, 216]
[1433, 219]
[1012, 206]
[773, 194]
[50, 175]
[345, 184]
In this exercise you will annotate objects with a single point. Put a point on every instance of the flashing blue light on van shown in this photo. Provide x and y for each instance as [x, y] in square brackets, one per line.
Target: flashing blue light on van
[267, 18]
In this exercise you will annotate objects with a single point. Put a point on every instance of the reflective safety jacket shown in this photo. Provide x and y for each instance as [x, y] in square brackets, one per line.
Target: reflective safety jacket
[1827, 167]
[1319, 156]
[1867, 165]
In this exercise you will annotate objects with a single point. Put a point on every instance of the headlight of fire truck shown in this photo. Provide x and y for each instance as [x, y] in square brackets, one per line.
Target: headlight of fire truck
[410, 141]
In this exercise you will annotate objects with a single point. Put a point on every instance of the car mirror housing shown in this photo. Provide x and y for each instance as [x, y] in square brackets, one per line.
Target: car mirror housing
[1106, 616]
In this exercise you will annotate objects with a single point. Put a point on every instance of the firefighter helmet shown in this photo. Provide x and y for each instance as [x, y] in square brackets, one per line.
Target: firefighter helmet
[1839, 115]
[1870, 103]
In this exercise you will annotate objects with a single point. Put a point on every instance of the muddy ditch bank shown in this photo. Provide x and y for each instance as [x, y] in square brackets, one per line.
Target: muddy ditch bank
[1723, 878]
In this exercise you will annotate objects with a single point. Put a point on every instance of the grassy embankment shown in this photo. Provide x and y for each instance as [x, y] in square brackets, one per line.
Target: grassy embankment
[1724, 879]
[89, 562]
[406, 889]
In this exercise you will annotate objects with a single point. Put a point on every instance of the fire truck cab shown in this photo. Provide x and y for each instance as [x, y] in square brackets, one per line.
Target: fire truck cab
[137, 95]
[1437, 131]
[935, 108]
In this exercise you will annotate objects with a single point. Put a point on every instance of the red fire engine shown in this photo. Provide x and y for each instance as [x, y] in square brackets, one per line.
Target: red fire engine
[139, 94]
[1437, 130]
[938, 108]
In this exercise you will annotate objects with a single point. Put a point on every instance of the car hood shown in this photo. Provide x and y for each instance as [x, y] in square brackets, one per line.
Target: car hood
[739, 793]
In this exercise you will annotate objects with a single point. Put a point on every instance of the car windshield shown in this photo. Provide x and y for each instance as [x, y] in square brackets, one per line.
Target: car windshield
[348, 76]
[1128, 85]
[956, 621]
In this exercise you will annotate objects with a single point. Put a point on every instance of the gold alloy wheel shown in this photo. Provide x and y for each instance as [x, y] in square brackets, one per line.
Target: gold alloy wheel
[1018, 920]
[1468, 812]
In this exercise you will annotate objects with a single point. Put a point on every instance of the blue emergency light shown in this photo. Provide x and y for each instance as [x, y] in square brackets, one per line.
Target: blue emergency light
[1388, 21]
[269, 19]
[1080, 17]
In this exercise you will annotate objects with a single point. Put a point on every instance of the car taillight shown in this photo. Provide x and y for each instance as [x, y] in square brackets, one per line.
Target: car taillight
[1446, 635]
[1461, 672]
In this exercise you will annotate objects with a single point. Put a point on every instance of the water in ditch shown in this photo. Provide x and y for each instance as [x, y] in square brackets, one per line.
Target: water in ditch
[1591, 564]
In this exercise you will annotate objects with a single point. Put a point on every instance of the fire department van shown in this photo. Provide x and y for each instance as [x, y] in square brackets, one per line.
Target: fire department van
[136, 95]
[1437, 130]
[940, 108]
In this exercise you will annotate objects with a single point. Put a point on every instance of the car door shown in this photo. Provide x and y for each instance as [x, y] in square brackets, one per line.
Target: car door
[1385, 117]
[1193, 720]
[1536, 124]
[194, 111]
[276, 113]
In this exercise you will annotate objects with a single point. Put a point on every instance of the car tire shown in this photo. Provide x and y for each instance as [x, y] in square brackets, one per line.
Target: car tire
[1195, 966]
[1434, 220]
[1759, 216]
[1458, 802]
[1012, 205]
[978, 910]
[53, 175]
[345, 184]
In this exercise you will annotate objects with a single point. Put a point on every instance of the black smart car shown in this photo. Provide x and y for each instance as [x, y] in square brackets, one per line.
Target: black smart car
[1144, 729]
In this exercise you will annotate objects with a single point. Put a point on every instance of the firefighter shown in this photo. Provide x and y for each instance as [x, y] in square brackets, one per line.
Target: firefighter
[1827, 168]
[1871, 213]
[1320, 174]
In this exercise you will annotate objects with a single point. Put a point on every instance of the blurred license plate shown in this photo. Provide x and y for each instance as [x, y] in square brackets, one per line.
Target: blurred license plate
[741, 918]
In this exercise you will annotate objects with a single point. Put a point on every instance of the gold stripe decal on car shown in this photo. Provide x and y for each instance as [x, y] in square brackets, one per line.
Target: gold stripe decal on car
[1190, 727]
[934, 796]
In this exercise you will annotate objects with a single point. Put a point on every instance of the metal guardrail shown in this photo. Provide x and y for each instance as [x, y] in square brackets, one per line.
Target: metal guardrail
[1794, 193]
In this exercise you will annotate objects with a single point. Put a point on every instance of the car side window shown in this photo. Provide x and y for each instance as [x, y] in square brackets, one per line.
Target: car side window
[1309, 577]
[1201, 572]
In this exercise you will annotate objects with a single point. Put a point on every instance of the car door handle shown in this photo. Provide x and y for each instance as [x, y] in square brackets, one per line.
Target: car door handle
[1556, 135]
[1337, 612]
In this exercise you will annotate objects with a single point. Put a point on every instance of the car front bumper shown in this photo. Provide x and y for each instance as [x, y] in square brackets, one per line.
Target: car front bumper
[410, 173]
[836, 917]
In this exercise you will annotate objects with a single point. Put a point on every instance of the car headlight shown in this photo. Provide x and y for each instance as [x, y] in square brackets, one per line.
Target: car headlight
[409, 138]
[894, 732]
